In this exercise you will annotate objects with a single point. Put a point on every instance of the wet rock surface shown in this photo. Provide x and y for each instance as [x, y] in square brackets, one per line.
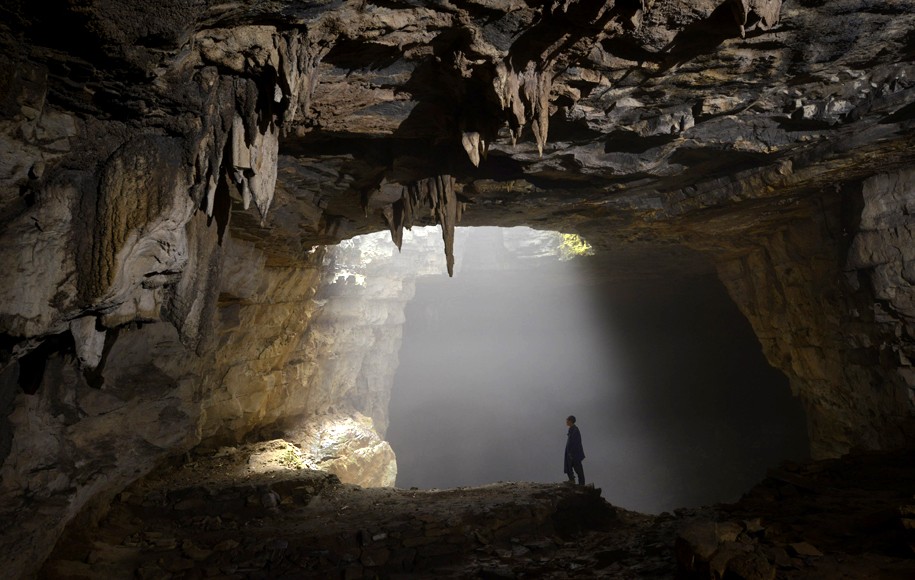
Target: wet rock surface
[216, 517]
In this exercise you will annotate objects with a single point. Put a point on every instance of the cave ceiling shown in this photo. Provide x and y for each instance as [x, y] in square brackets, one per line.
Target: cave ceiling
[682, 121]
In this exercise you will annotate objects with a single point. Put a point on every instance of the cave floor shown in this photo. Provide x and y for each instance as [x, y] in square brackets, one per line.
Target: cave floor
[229, 515]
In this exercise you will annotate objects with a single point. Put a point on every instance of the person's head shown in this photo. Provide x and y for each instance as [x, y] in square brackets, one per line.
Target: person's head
[570, 420]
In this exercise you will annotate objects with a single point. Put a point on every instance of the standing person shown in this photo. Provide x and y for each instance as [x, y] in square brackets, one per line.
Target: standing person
[574, 452]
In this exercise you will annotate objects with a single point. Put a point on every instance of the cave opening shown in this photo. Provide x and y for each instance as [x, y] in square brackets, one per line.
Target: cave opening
[676, 403]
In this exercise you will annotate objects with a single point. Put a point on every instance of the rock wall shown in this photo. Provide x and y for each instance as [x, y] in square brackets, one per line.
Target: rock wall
[357, 334]
[261, 362]
[277, 357]
[830, 299]
[77, 434]
[72, 442]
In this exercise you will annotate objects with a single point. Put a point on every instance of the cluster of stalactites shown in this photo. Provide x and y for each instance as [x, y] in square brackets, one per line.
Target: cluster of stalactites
[526, 96]
[254, 165]
[252, 133]
[437, 194]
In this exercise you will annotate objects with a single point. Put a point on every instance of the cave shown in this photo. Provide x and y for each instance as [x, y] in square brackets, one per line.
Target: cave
[215, 219]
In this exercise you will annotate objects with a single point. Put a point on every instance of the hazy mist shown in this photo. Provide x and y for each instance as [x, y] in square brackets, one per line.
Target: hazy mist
[675, 401]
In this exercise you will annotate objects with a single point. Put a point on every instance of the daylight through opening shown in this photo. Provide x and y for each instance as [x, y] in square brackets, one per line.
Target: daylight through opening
[674, 399]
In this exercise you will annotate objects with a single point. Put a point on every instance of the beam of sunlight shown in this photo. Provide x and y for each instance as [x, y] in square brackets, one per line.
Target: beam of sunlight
[496, 358]
[675, 402]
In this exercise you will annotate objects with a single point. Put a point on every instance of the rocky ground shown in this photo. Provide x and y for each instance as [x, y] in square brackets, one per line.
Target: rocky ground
[255, 512]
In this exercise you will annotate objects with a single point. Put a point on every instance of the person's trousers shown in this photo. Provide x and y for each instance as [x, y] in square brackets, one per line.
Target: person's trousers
[576, 466]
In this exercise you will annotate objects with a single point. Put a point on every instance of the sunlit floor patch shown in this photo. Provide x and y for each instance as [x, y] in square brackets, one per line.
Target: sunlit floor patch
[345, 446]
[269, 456]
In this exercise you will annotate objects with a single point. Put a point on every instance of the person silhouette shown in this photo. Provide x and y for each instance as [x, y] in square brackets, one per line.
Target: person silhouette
[575, 453]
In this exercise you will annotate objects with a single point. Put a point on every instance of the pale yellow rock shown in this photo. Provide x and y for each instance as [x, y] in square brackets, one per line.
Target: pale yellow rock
[349, 447]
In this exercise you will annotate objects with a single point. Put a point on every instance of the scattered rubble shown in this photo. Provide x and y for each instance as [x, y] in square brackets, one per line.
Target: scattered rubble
[839, 518]
[830, 519]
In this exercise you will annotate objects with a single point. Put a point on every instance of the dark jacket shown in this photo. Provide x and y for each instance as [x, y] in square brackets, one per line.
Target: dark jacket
[574, 450]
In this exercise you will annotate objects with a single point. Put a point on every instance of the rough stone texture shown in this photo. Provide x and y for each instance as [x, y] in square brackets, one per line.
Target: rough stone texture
[357, 333]
[818, 295]
[261, 360]
[232, 513]
[779, 545]
[136, 137]
[72, 441]
[348, 447]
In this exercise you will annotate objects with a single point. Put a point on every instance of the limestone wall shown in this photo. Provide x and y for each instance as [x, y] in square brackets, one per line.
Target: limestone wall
[831, 299]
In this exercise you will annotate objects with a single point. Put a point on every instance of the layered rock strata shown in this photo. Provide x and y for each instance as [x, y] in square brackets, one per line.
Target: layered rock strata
[827, 298]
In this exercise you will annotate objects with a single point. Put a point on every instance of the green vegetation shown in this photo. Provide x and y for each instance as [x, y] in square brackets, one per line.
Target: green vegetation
[573, 246]
[289, 458]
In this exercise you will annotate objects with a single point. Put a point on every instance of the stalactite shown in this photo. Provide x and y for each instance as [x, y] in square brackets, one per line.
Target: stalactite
[298, 75]
[394, 216]
[474, 146]
[89, 341]
[213, 177]
[252, 125]
[254, 164]
[526, 95]
[215, 133]
[537, 85]
[446, 213]
[438, 194]
[255, 126]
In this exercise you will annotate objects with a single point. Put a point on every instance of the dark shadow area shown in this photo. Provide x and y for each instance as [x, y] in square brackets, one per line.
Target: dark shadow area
[701, 37]
[706, 162]
[357, 55]
[676, 404]
[32, 365]
[629, 142]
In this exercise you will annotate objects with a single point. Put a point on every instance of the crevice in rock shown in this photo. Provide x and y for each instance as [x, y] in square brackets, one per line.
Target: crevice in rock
[32, 364]
[9, 388]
